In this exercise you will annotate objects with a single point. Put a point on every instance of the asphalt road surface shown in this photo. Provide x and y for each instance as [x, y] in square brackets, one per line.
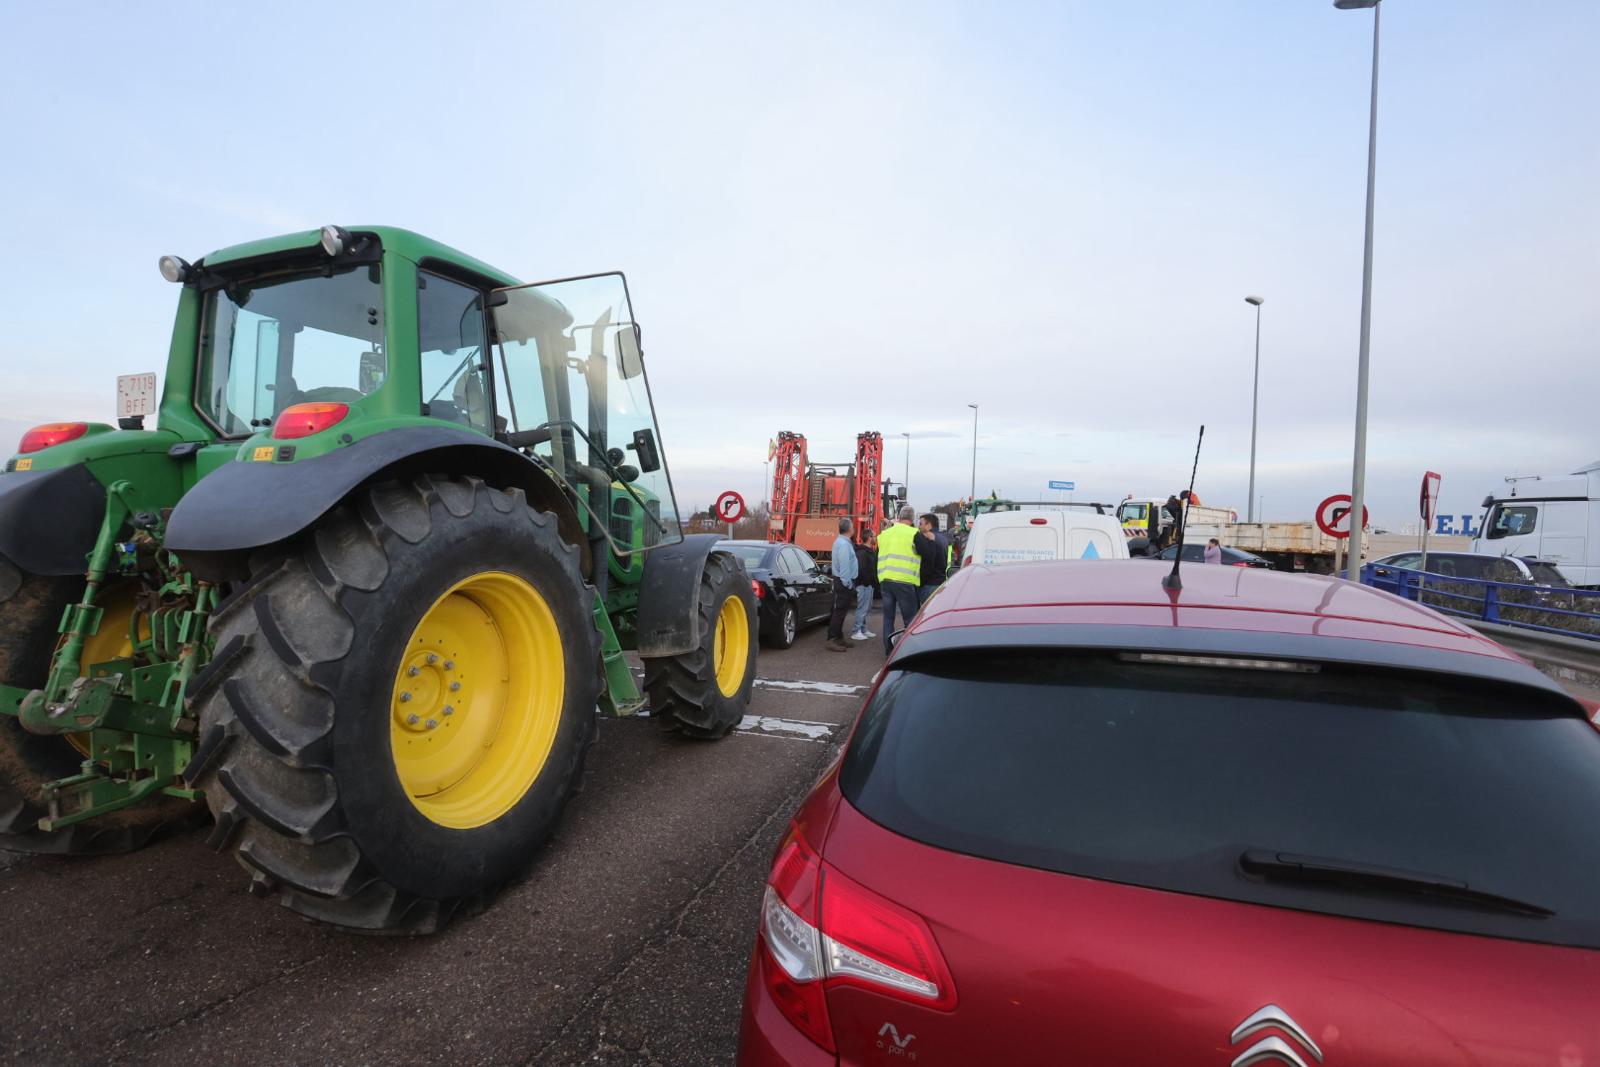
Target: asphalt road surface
[626, 943]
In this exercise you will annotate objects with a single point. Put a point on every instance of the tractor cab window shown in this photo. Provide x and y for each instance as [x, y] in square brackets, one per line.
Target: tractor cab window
[570, 370]
[267, 344]
[455, 360]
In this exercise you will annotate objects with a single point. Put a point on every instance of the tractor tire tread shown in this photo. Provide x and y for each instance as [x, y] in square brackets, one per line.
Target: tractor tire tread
[266, 728]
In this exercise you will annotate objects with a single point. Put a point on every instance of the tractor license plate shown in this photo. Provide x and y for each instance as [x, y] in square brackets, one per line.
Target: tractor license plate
[136, 395]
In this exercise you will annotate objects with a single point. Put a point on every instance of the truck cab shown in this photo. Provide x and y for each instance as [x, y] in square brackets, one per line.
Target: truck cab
[1555, 518]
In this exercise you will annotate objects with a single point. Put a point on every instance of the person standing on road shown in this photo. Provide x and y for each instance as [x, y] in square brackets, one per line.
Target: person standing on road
[866, 585]
[899, 573]
[934, 552]
[1213, 553]
[844, 586]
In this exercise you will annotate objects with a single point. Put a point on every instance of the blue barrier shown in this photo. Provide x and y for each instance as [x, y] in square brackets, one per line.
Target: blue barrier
[1531, 607]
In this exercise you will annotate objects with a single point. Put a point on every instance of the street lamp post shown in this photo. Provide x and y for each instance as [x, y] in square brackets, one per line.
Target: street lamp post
[974, 490]
[1358, 478]
[905, 486]
[1255, 392]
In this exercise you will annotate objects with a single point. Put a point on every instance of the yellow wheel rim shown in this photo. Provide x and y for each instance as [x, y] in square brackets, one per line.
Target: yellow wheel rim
[731, 646]
[110, 641]
[477, 700]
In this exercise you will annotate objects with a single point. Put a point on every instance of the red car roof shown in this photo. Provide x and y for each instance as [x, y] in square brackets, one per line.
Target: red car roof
[1129, 592]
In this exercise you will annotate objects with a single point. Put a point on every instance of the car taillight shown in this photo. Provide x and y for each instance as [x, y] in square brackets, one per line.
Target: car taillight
[1241, 564]
[51, 433]
[303, 420]
[755, 587]
[821, 929]
[793, 973]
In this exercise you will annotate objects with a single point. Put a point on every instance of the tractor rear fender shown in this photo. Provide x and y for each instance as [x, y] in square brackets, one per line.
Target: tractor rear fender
[49, 519]
[241, 507]
[668, 621]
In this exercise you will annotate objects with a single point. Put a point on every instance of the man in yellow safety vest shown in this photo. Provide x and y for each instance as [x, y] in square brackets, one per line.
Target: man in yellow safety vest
[899, 573]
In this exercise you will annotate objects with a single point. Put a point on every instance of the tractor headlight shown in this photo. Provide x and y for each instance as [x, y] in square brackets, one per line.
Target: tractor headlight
[174, 269]
[335, 239]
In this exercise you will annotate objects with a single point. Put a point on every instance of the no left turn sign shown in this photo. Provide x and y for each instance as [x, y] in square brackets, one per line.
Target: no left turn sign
[729, 506]
[1333, 515]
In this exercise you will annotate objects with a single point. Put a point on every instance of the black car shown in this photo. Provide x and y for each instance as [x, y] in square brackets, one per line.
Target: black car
[791, 589]
[1231, 557]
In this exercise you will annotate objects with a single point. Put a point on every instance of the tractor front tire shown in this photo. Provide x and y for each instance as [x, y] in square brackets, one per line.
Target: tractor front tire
[403, 703]
[31, 607]
[704, 693]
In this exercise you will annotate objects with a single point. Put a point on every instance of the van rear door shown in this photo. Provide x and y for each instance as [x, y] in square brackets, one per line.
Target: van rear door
[1005, 542]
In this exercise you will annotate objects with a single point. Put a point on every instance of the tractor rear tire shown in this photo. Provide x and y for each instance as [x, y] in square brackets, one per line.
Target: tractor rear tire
[31, 606]
[404, 701]
[704, 693]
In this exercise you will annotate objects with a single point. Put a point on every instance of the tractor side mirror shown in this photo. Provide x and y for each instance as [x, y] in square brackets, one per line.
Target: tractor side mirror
[369, 374]
[644, 446]
[630, 353]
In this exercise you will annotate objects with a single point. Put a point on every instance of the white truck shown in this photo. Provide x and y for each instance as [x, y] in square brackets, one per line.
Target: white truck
[1550, 517]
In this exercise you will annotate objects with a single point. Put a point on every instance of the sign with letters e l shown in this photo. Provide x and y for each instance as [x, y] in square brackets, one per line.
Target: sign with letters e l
[1063, 486]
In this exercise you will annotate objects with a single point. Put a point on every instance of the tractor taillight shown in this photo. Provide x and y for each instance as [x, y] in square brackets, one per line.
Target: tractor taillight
[51, 433]
[303, 420]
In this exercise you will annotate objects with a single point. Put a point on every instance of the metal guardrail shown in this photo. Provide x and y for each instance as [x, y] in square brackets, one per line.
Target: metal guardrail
[1573, 613]
[1569, 660]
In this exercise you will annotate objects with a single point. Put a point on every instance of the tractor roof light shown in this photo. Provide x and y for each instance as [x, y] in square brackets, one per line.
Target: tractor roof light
[335, 239]
[51, 433]
[303, 420]
[175, 269]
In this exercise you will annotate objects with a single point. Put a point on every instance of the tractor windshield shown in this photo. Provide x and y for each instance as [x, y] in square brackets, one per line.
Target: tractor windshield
[287, 340]
[570, 365]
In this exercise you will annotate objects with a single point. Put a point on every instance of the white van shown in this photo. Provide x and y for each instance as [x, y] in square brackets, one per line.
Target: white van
[1028, 536]
[1554, 518]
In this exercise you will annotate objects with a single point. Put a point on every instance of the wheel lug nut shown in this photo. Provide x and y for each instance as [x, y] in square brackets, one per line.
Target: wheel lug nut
[413, 671]
[449, 664]
[455, 687]
[433, 724]
[432, 658]
[413, 719]
[404, 697]
[449, 709]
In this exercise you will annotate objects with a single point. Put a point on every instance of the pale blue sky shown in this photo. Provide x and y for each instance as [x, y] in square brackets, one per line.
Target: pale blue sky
[839, 217]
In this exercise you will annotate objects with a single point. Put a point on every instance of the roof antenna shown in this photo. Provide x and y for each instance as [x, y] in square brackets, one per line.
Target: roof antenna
[1174, 580]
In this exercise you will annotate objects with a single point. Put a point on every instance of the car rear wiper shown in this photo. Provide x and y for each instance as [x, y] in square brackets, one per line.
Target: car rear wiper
[1287, 866]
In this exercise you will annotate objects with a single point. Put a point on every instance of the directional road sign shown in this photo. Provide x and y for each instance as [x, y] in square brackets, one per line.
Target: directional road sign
[729, 506]
[1065, 486]
[1430, 496]
[1333, 515]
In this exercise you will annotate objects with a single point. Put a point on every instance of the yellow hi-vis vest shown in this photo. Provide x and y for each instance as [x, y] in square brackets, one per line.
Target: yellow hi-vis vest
[897, 555]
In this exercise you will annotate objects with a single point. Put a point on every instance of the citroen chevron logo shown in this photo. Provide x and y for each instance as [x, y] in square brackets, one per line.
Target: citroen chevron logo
[1272, 1048]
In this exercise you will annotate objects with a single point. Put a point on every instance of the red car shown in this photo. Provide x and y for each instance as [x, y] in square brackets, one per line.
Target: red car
[1266, 819]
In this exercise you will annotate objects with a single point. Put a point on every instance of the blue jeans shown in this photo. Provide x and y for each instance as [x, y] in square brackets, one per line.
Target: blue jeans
[902, 595]
[863, 607]
[923, 593]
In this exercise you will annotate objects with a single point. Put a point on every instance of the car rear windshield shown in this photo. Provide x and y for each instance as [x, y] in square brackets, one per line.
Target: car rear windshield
[1546, 574]
[1164, 775]
[750, 555]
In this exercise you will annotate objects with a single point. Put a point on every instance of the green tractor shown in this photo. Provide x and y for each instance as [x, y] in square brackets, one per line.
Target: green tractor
[361, 591]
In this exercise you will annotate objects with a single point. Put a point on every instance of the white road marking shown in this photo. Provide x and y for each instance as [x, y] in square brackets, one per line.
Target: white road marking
[792, 729]
[832, 689]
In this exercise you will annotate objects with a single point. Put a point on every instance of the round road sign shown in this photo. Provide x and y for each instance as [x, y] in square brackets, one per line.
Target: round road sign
[1333, 515]
[729, 507]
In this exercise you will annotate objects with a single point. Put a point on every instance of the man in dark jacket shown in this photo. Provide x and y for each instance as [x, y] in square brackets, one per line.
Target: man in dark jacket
[933, 553]
[866, 586]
